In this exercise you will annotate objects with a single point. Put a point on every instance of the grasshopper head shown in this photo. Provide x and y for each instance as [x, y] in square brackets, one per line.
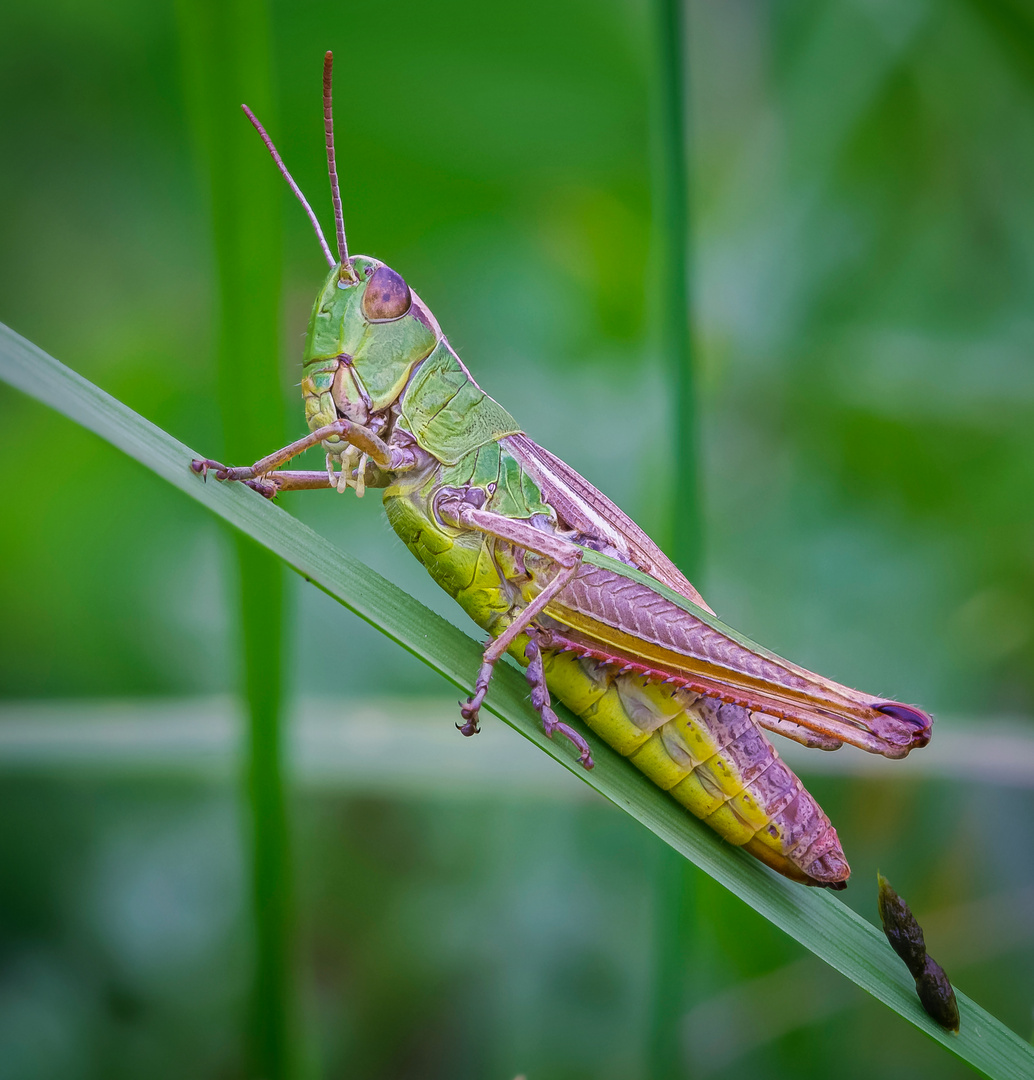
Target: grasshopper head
[368, 329]
[367, 332]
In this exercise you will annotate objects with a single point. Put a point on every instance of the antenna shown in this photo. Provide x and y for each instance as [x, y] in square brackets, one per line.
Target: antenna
[328, 127]
[290, 180]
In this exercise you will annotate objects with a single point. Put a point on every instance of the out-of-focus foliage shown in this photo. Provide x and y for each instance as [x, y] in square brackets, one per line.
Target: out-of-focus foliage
[864, 257]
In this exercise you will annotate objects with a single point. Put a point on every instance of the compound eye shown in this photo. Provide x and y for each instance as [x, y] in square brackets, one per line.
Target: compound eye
[387, 296]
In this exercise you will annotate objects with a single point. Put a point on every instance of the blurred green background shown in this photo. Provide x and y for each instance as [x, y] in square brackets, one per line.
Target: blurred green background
[864, 289]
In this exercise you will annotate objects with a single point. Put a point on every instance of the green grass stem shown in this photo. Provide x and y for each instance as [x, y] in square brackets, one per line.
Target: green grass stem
[226, 60]
[675, 884]
[672, 227]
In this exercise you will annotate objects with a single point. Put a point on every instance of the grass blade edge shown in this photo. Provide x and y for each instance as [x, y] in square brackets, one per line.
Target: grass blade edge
[818, 920]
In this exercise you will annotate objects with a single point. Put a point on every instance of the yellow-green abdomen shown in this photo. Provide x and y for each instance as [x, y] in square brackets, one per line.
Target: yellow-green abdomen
[709, 756]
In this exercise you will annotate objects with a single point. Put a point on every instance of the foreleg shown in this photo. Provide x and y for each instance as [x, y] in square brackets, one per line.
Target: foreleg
[271, 484]
[371, 444]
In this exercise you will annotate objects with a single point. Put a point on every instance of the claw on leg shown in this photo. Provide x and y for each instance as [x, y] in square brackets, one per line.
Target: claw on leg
[540, 699]
[202, 466]
[469, 709]
[551, 723]
[470, 726]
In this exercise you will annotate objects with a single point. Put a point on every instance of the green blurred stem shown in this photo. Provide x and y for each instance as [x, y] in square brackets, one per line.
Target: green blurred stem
[675, 884]
[226, 56]
[675, 924]
[673, 232]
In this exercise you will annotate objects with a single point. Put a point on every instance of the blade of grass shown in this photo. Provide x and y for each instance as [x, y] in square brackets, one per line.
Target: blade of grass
[817, 919]
[226, 60]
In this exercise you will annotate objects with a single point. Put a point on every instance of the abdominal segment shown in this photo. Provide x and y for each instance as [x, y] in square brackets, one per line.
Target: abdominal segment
[712, 757]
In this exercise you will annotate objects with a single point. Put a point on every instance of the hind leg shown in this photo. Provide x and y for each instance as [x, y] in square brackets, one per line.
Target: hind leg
[540, 699]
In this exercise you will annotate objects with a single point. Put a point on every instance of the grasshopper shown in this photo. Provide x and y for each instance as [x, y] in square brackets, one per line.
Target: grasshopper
[557, 575]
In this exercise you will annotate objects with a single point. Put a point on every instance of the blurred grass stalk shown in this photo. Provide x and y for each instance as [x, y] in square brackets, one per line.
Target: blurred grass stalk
[675, 915]
[226, 61]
